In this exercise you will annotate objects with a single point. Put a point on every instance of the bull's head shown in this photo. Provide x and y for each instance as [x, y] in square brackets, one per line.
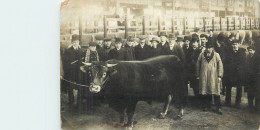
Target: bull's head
[98, 73]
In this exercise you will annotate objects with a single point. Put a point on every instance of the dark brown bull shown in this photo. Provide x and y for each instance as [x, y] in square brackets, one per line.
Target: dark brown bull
[127, 82]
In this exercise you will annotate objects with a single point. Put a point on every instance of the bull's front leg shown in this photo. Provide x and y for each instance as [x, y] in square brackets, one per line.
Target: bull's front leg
[166, 107]
[130, 113]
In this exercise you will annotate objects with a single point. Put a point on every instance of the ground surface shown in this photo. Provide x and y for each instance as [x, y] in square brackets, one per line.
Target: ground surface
[105, 118]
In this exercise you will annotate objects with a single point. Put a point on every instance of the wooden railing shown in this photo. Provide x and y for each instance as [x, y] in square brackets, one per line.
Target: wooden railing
[131, 26]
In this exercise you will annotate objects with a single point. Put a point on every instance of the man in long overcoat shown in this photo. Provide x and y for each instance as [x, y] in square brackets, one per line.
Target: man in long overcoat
[209, 71]
[253, 70]
[235, 75]
[71, 63]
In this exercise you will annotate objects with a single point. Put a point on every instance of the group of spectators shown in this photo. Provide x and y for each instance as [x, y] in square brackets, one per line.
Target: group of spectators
[213, 65]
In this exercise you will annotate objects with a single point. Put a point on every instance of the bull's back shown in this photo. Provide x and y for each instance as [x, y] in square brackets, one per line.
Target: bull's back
[139, 74]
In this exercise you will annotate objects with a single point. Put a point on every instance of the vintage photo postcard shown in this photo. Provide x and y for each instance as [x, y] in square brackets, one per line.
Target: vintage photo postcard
[160, 64]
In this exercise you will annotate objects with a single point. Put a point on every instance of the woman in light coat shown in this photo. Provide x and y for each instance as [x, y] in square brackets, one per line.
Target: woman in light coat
[209, 71]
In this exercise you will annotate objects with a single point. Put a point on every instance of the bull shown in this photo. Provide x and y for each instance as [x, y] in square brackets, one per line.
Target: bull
[127, 82]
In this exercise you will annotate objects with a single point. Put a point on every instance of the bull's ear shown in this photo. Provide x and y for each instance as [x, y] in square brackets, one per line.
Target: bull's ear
[111, 71]
[83, 69]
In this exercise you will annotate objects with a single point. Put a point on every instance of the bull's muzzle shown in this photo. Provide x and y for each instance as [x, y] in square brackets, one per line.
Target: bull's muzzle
[94, 88]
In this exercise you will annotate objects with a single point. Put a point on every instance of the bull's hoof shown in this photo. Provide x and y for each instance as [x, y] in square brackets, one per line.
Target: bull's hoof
[129, 126]
[179, 117]
[161, 116]
[119, 125]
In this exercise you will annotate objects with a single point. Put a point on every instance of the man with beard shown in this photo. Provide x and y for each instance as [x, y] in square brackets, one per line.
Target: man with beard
[142, 49]
[118, 53]
[107, 47]
[155, 51]
[130, 54]
[209, 71]
[163, 45]
[174, 48]
[235, 61]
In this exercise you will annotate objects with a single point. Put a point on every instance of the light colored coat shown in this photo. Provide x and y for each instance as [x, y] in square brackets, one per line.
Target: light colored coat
[208, 73]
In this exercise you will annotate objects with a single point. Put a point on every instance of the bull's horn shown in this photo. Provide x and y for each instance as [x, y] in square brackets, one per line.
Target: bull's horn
[111, 65]
[87, 64]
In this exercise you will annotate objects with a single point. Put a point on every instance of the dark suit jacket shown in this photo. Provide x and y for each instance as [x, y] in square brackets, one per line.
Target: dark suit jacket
[141, 53]
[177, 50]
[235, 67]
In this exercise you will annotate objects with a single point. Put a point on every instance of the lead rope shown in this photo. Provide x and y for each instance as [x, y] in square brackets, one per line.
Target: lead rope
[74, 83]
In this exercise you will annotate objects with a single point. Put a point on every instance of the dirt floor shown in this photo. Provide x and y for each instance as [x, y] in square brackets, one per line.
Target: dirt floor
[106, 118]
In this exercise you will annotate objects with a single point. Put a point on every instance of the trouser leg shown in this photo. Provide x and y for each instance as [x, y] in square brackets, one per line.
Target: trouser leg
[206, 101]
[239, 95]
[250, 96]
[217, 101]
[195, 86]
[228, 95]
[70, 95]
[257, 98]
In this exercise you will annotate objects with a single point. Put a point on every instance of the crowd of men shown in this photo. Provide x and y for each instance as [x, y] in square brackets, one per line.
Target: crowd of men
[213, 65]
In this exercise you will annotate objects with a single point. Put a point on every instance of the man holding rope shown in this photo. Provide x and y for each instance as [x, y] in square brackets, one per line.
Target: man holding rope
[71, 64]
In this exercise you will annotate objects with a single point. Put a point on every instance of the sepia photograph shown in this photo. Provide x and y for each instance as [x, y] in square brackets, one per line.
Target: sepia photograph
[159, 64]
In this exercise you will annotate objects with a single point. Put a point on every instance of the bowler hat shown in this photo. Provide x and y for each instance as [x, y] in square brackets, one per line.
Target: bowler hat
[98, 37]
[172, 36]
[187, 38]
[180, 38]
[107, 39]
[118, 40]
[130, 39]
[75, 37]
[209, 45]
[155, 39]
[142, 37]
[162, 34]
[92, 44]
